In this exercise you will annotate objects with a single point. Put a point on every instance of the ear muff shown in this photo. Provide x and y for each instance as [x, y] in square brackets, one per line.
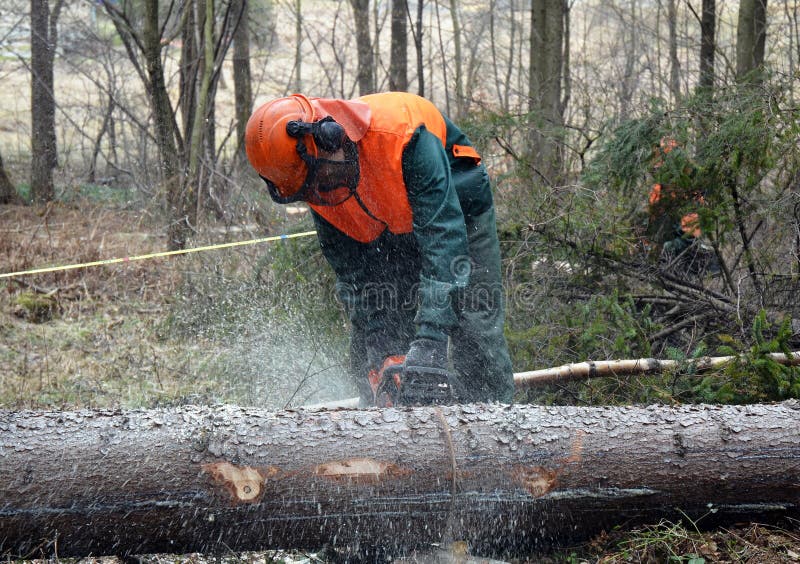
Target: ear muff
[328, 135]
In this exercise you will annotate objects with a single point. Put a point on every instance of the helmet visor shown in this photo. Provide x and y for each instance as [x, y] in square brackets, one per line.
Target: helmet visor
[328, 182]
[331, 182]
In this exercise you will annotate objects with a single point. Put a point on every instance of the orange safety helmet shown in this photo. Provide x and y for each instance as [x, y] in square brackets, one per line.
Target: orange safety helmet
[282, 141]
[271, 150]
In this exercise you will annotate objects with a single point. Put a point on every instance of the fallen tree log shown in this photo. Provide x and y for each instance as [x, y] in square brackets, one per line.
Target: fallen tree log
[501, 478]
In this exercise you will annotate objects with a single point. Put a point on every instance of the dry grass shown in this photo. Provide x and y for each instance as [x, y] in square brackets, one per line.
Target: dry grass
[96, 346]
[105, 339]
[675, 542]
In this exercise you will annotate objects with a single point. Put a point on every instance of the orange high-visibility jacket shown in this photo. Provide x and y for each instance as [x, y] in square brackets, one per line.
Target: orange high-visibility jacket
[393, 119]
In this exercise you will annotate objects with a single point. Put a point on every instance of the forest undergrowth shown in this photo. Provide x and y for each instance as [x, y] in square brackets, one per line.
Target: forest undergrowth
[584, 280]
[139, 335]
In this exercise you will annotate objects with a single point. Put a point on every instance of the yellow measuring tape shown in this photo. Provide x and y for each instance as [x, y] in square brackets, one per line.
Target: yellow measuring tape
[156, 255]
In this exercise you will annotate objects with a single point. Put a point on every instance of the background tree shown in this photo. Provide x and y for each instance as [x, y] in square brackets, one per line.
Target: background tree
[398, 64]
[365, 76]
[458, 78]
[202, 138]
[8, 194]
[503, 67]
[707, 46]
[191, 61]
[545, 88]
[180, 149]
[243, 91]
[107, 128]
[418, 32]
[180, 203]
[751, 36]
[44, 156]
[674, 61]
[630, 38]
[791, 13]
[298, 50]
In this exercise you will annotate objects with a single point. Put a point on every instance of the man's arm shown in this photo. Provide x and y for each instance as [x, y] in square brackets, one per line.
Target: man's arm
[370, 289]
[440, 232]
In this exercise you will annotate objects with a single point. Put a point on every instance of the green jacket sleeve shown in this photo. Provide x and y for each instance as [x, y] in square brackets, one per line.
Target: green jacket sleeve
[442, 190]
[471, 180]
[440, 231]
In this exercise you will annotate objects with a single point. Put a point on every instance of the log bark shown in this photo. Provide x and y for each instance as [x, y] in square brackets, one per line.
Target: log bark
[501, 478]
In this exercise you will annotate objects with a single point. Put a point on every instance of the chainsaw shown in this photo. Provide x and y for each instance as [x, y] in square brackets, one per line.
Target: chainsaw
[398, 384]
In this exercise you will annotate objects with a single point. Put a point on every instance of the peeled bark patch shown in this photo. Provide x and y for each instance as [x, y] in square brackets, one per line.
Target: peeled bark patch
[363, 470]
[500, 478]
[245, 484]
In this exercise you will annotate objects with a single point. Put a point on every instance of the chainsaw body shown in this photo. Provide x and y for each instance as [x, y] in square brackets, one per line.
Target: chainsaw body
[398, 384]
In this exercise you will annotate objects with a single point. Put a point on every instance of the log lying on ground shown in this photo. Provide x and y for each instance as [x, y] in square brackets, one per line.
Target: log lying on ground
[499, 477]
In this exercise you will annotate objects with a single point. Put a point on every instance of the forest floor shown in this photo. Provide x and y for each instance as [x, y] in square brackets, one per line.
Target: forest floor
[83, 337]
[139, 333]
[747, 543]
[98, 337]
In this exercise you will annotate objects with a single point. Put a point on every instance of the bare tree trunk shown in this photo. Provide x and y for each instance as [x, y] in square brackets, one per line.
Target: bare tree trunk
[418, 48]
[398, 65]
[566, 69]
[674, 62]
[581, 371]
[44, 157]
[105, 128]
[366, 83]
[708, 44]
[751, 38]
[443, 57]
[795, 269]
[179, 206]
[457, 55]
[200, 131]
[377, 62]
[545, 88]
[298, 48]
[8, 194]
[503, 86]
[502, 478]
[794, 41]
[632, 54]
[189, 67]
[243, 90]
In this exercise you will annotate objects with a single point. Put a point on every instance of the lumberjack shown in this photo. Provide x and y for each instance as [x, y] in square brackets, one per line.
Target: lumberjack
[402, 206]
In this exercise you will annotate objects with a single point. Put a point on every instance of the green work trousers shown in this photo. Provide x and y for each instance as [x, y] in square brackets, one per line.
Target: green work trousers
[382, 307]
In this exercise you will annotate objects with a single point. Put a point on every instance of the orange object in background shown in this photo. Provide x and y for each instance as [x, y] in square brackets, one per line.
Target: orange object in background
[690, 223]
